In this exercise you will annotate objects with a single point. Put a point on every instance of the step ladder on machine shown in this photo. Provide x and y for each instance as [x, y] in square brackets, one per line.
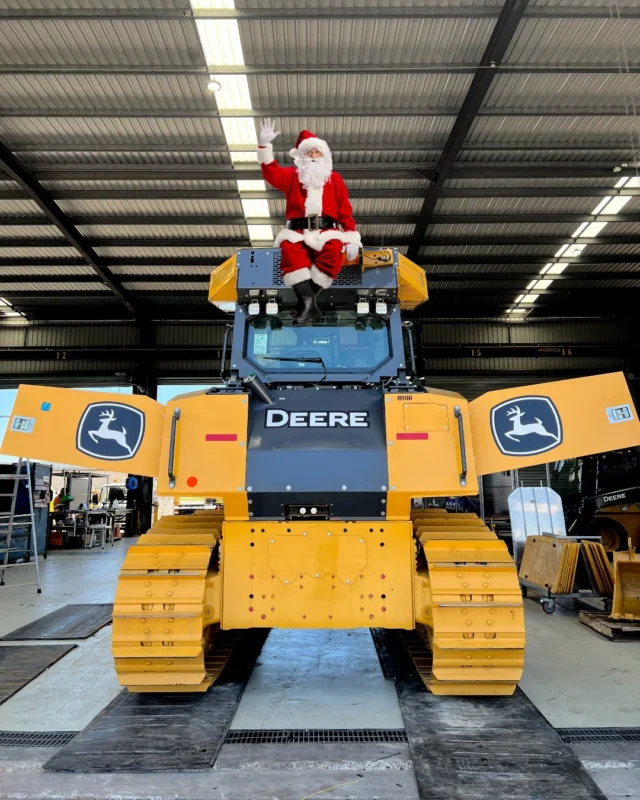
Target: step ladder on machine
[11, 520]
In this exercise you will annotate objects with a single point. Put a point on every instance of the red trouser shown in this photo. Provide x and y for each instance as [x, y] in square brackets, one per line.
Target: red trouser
[327, 262]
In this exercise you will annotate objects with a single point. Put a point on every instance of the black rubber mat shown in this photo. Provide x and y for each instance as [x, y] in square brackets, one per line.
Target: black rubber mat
[163, 732]
[20, 665]
[488, 748]
[69, 622]
[392, 654]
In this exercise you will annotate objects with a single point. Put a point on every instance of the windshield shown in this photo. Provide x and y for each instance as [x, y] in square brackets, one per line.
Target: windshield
[345, 341]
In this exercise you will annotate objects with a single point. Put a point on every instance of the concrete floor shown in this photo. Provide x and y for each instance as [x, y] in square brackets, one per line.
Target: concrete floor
[303, 679]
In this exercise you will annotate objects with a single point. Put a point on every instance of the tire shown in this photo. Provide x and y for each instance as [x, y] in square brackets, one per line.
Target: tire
[548, 606]
[614, 536]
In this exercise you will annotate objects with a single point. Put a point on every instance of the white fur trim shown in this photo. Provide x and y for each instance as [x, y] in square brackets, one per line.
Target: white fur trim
[320, 278]
[352, 237]
[297, 276]
[316, 240]
[313, 202]
[265, 154]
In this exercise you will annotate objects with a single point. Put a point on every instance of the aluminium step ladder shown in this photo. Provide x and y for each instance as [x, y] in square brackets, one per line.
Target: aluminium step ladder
[11, 520]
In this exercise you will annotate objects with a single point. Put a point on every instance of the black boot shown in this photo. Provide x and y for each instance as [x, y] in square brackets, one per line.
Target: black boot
[298, 309]
[307, 296]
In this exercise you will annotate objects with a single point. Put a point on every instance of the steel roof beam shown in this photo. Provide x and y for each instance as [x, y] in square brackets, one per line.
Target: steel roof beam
[17, 172]
[364, 171]
[297, 113]
[505, 28]
[212, 241]
[306, 69]
[467, 192]
[318, 13]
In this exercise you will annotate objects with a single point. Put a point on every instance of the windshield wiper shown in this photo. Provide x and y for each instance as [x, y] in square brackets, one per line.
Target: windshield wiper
[307, 359]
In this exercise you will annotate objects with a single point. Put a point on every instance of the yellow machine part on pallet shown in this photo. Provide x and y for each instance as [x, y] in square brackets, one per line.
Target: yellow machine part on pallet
[166, 616]
[468, 609]
[626, 589]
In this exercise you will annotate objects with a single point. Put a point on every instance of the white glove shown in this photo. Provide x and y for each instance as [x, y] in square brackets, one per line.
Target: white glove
[267, 132]
[352, 251]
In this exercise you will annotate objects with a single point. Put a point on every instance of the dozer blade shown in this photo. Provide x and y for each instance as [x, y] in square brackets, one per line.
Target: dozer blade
[626, 589]
[473, 642]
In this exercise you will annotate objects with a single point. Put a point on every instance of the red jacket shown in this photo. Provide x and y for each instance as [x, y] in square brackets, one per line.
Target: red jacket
[330, 201]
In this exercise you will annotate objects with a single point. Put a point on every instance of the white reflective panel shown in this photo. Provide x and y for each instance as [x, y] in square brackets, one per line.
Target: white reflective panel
[260, 233]
[542, 284]
[252, 186]
[220, 40]
[239, 130]
[255, 208]
[594, 228]
[556, 269]
[243, 157]
[581, 227]
[534, 510]
[597, 210]
[530, 298]
[617, 204]
[234, 92]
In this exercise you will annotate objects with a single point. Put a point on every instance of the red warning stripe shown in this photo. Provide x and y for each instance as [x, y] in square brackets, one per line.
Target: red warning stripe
[221, 437]
[402, 436]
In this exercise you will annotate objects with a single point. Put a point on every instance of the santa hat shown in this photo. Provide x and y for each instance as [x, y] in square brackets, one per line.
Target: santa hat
[306, 141]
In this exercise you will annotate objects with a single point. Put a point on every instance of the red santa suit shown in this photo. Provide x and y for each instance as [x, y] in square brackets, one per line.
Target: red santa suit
[311, 254]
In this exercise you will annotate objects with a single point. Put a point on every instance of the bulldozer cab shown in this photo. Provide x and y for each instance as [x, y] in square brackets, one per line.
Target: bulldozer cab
[359, 339]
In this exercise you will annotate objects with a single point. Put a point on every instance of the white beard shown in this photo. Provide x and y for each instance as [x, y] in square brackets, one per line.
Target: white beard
[313, 174]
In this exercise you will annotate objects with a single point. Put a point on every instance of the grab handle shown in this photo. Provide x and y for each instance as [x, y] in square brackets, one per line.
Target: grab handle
[172, 447]
[463, 450]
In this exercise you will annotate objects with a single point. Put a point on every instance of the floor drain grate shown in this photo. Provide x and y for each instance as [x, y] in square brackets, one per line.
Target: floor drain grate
[35, 738]
[598, 735]
[315, 736]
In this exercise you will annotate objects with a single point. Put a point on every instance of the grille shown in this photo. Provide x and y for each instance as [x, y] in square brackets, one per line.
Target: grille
[350, 275]
[598, 735]
[315, 736]
[35, 738]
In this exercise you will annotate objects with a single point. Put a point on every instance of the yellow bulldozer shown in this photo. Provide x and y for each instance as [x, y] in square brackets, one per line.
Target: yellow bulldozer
[316, 443]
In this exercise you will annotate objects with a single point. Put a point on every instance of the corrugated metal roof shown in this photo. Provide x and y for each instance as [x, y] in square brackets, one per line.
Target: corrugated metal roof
[108, 140]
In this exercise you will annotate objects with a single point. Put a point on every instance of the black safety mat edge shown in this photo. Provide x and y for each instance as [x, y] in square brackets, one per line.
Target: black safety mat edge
[20, 664]
[315, 735]
[77, 621]
[598, 735]
[163, 732]
[485, 748]
[392, 654]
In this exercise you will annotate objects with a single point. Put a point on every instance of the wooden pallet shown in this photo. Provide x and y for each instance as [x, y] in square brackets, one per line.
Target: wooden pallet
[618, 630]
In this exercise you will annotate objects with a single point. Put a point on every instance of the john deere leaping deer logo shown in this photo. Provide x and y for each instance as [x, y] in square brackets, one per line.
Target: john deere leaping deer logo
[525, 426]
[110, 431]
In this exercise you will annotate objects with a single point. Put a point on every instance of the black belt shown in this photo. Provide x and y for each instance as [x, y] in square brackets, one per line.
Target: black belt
[312, 223]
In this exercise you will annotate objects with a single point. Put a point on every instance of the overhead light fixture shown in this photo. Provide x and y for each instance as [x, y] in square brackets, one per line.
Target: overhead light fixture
[214, 86]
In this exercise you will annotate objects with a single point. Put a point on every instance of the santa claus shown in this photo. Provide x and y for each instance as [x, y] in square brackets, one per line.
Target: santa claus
[320, 224]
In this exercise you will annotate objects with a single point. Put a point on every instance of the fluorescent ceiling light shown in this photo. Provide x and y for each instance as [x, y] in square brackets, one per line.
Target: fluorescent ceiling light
[256, 208]
[594, 228]
[252, 186]
[540, 285]
[599, 208]
[212, 5]
[260, 233]
[234, 92]
[220, 39]
[243, 157]
[579, 229]
[617, 204]
[556, 269]
[239, 130]
[530, 298]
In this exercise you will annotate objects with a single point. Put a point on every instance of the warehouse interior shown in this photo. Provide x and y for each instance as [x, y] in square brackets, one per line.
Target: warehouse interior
[494, 144]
